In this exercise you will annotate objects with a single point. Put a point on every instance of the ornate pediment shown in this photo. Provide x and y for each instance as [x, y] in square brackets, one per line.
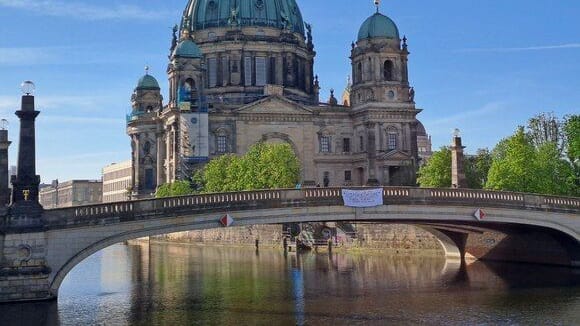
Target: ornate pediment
[274, 105]
[395, 155]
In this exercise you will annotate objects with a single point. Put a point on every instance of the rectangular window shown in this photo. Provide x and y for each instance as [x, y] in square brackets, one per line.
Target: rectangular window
[248, 71]
[346, 145]
[392, 142]
[222, 144]
[362, 143]
[225, 71]
[272, 70]
[347, 176]
[212, 71]
[260, 71]
[149, 183]
[325, 144]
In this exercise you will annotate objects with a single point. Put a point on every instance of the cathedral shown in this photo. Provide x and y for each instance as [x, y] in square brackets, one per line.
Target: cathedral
[242, 72]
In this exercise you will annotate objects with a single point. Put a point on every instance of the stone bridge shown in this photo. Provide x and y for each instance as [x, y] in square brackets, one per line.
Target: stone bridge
[517, 227]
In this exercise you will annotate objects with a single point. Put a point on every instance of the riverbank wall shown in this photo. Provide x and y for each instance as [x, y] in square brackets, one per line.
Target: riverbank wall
[396, 238]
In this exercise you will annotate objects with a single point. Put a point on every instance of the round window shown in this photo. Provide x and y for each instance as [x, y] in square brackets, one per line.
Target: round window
[391, 94]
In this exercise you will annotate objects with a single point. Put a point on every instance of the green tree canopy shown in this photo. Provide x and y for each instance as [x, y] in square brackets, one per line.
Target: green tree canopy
[518, 165]
[264, 166]
[436, 173]
[177, 188]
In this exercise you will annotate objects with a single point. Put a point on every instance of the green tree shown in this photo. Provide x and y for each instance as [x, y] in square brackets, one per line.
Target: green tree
[518, 165]
[477, 168]
[512, 166]
[264, 166]
[572, 135]
[177, 188]
[436, 173]
[545, 128]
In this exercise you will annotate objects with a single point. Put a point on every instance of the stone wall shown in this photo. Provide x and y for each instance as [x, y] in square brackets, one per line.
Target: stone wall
[369, 236]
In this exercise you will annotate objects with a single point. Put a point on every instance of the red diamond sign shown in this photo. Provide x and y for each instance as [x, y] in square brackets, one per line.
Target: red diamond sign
[226, 220]
[479, 214]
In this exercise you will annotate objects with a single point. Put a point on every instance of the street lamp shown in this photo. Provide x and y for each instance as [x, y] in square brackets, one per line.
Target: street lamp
[27, 88]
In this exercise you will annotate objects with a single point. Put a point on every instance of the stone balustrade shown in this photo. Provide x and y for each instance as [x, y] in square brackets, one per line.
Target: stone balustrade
[278, 198]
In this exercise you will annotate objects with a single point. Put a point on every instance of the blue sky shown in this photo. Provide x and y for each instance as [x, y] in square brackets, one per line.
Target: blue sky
[484, 66]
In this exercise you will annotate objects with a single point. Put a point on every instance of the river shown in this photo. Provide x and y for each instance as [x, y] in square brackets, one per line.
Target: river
[169, 284]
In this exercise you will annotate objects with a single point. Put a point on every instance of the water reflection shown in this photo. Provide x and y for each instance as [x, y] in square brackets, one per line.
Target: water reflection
[188, 285]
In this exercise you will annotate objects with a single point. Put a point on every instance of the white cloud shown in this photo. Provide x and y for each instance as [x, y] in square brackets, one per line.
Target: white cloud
[529, 48]
[455, 119]
[84, 11]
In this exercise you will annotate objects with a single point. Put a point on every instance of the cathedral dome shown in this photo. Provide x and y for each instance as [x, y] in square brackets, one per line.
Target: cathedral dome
[187, 49]
[148, 82]
[203, 14]
[378, 25]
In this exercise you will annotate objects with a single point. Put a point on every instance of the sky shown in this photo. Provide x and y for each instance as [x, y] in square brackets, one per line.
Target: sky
[483, 66]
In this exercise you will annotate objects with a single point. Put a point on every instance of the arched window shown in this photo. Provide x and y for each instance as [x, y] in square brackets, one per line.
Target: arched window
[186, 90]
[392, 138]
[388, 70]
[359, 72]
[211, 14]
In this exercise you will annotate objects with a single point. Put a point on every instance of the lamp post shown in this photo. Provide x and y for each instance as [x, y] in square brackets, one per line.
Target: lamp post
[25, 185]
[4, 145]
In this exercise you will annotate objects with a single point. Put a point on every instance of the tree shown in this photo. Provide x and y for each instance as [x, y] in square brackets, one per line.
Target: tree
[177, 188]
[546, 128]
[512, 168]
[572, 134]
[518, 165]
[477, 168]
[436, 173]
[264, 166]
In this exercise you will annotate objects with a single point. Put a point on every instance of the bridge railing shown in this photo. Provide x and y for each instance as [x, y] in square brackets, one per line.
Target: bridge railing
[307, 197]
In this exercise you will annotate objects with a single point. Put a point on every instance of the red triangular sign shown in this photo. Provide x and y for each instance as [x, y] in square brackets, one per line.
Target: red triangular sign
[226, 220]
[479, 214]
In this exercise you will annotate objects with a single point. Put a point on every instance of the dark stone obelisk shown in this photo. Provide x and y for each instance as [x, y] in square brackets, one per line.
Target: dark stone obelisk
[25, 210]
[458, 179]
[4, 190]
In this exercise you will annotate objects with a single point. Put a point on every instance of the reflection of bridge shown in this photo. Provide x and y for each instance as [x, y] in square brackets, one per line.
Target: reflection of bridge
[517, 227]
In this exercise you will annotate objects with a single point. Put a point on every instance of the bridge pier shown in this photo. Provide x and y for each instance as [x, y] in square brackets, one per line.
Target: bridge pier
[24, 273]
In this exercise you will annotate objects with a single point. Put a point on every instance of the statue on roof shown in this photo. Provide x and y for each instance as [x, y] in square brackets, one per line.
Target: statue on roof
[234, 20]
[174, 39]
[308, 32]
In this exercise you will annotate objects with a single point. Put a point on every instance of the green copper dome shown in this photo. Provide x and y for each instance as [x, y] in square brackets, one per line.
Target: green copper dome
[187, 49]
[378, 25]
[282, 14]
[148, 82]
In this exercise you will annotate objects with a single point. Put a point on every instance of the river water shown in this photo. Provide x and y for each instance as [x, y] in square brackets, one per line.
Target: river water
[168, 284]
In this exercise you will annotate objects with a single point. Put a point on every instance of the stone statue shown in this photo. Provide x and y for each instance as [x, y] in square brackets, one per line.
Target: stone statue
[412, 94]
[285, 20]
[308, 32]
[174, 39]
[233, 20]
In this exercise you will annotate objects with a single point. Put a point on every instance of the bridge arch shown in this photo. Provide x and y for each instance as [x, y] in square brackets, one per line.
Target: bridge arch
[76, 233]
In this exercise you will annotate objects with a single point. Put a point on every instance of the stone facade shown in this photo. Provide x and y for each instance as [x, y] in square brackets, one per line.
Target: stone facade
[71, 193]
[235, 81]
[117, 182]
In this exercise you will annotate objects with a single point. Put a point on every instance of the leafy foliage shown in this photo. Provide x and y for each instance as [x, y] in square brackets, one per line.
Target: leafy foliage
[264, 166]
[572, 135]
[436, 173]
[545, 128]
[518, 165]
[177, 188]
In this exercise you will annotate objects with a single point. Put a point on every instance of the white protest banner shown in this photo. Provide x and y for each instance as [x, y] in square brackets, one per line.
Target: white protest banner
[362, 198]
